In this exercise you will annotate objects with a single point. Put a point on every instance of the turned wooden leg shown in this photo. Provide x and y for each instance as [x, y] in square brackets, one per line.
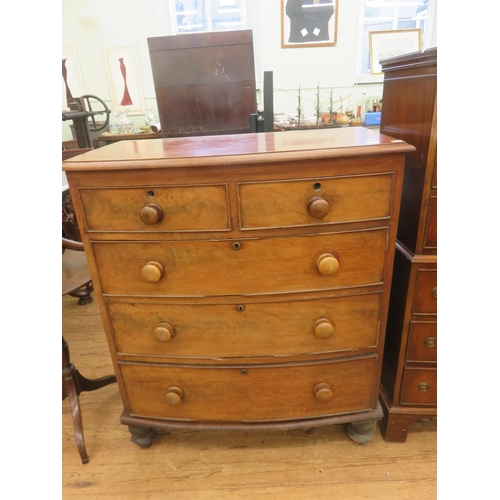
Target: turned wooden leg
[73, 383]
[71, 391]
[142, 436]
[81, 383]
[83, 294]
[361, 432]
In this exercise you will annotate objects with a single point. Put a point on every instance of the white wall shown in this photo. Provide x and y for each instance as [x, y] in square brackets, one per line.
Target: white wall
[331, 66]
[90, 25]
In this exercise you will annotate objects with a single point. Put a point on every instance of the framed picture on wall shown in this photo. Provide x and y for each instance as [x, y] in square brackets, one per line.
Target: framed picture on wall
[72, 81]
[124, 76]
[308, 23]
[386, 44]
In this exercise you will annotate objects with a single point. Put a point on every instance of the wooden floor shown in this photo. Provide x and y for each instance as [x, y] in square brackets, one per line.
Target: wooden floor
[322, 463]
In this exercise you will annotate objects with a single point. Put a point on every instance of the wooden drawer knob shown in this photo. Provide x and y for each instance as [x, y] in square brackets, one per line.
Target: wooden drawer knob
[151, 214]
[327, 264]
[323, 328]
[163, 332]
[152, 272]
[318, 207]
[174, 396]
[323, 392]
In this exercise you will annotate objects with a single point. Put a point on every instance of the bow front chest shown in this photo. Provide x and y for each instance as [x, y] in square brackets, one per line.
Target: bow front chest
[243, 280]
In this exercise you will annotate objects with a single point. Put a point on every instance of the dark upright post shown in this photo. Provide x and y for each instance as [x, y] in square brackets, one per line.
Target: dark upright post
[268, 102]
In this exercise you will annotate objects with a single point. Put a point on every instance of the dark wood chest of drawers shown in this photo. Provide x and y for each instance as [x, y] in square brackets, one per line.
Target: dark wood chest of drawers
[409, 375]
[243, 280]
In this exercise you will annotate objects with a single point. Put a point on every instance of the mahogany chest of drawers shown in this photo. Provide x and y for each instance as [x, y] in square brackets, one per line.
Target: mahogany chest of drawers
[409, 375]
[243, 280]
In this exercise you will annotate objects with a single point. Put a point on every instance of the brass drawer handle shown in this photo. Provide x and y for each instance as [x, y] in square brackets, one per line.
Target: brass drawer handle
[435, 292]
[327, 264]
[323, 328]
[430, 342]
[163, 332]
[174, 396]
[323, 392]
[152, 272]
[151, 214]
[318, 207]
[423, 386]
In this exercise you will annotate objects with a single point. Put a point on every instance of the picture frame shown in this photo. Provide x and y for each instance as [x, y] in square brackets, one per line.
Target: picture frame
[124, 77]
[392, 43]
[72, 81]
[309, 23]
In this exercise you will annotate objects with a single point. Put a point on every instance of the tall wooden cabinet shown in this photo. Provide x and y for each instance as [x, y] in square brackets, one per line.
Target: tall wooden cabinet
[409, 374]
[243, 280]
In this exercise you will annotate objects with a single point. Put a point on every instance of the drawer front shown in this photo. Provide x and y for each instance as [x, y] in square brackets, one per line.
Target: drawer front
[249, 393]
[243, 267]
[422, 342]
[315, 201]
[425, 297]
[156, 208]
[419, 386]
[246, 329]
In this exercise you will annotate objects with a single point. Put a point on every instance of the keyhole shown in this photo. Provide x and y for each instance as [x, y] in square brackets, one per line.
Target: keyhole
[151, 194]
[317, 186]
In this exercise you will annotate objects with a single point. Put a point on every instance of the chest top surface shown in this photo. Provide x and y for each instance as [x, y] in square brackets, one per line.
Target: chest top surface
[237, 149]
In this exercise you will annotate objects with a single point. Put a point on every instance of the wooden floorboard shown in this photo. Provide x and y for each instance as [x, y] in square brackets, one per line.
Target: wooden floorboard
[314, 464]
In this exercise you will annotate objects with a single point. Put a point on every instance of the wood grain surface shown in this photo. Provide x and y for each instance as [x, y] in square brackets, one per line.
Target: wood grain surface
[321, 463]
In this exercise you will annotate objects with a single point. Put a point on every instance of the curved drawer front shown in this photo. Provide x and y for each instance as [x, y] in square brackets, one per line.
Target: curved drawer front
[253, 393]
[156, 208]
[315, 201]
[246, 330]
[244, 267]
[419, 386]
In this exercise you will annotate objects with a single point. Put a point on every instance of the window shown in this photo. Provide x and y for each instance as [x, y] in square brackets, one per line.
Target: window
[191, 16]
[383, 15]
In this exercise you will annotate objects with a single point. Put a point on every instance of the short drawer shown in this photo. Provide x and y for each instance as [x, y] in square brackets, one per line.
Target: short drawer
[263, 329]
[419, 386]
[422, 342]
[156, 208]
[425, 297]
[249, 393]
[246, 266]
[315, 201]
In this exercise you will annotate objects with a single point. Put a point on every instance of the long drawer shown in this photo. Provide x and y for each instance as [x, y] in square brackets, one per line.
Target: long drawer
[243, 267]
[259, 329]
[315, 201]
[249, 393]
